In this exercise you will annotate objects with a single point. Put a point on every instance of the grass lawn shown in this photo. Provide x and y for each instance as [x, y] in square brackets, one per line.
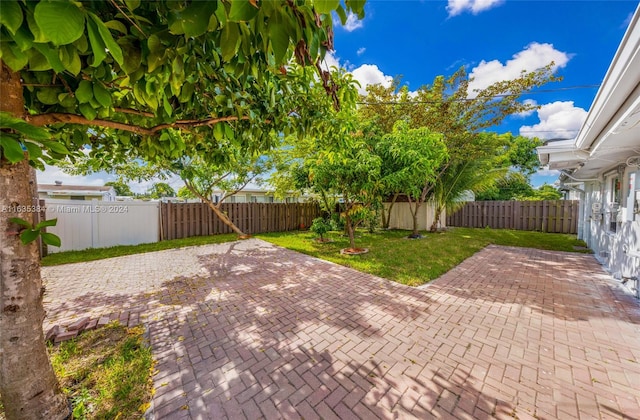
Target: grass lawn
[417, 261]
[391, 255]
[106, 373]
[92, 254]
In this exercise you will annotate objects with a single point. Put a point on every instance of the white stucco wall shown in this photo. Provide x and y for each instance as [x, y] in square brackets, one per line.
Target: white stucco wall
[618, 251]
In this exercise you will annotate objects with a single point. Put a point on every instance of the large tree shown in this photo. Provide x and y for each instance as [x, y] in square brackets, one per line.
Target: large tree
[348, 167]
[447, 106]
[121, 188]
[119, 74]
[411, 161]
[161, 190]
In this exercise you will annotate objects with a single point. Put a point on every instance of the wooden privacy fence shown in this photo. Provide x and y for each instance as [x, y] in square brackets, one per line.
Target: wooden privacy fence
[182, 220]
[552, 216]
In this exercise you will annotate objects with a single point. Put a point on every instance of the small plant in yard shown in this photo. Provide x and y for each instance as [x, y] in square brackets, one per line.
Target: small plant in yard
[320, 227]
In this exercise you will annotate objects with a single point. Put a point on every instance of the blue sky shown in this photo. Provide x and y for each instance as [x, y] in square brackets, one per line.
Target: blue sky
[493, 39]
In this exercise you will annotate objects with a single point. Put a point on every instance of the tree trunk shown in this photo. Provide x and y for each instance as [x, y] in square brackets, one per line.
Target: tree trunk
[225, 219]
[386, 215]
[28, 385]
[216, 208]
[350, 231]
[414, 215]
[436, 219]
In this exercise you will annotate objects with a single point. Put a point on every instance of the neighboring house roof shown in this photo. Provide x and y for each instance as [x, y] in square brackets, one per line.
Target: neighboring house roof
[610, 133]
[55, 189]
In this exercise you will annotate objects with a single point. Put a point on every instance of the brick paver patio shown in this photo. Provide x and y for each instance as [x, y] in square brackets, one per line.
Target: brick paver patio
[250, 330]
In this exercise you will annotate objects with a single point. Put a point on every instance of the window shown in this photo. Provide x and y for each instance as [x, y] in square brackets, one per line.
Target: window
[77, 197]
[615, 190]
[614, 203]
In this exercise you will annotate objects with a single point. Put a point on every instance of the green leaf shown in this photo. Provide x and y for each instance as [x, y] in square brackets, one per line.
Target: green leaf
[195, 18]
[38, 62]
[48, 96]
[29, 235]
[11, 148]
[218, 132]
[70, 59]
[154, 43]
[88, 111]
[50, 239]
[56, 147]
[81, 44]
[230, 39]
[279, 41]
[116, 25]
[46, 223]
[52, 56]
[132, 57]
[23, 39]
[326, 6]
[30, 131]
[102, 95]
[132, 4]
[342, 14]
[35, 30]
[13, 57]
[357, 7]
[21, 222]
[166, 105]
[35, 152]
[11, 16]
[60, 21]
[107, 38]
[84, 93]
[242, 11]
[97, 44]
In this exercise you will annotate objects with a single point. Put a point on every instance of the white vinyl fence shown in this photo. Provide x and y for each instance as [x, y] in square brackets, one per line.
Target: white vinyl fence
[101, 224]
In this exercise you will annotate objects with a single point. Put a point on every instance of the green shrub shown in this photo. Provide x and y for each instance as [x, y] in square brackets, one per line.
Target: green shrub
[320, 226]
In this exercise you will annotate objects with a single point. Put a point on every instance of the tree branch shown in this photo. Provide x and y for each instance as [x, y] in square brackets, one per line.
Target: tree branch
[57, 117]
[134, 112]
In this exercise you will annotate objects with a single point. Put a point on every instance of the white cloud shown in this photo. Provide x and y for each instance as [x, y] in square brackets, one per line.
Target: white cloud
[548, 172]
[558, 120]
[352, 23]
[361, 51]
[370, 74]
[627, 20]
[330, 60]
[524, 114]
[366, 74]
[456, 7]
[533, 57]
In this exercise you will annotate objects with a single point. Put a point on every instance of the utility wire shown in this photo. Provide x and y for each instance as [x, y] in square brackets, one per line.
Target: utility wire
[472, 99]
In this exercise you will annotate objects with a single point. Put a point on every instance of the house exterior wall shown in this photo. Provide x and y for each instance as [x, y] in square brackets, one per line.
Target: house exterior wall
[611, 223]
[77, 195]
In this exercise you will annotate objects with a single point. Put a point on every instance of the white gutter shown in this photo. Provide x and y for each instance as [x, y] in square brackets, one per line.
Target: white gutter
[620, 80]
[565, 173]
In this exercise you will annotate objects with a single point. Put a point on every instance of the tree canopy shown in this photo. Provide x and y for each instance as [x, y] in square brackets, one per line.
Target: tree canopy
[120, 76]
[120, 187]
